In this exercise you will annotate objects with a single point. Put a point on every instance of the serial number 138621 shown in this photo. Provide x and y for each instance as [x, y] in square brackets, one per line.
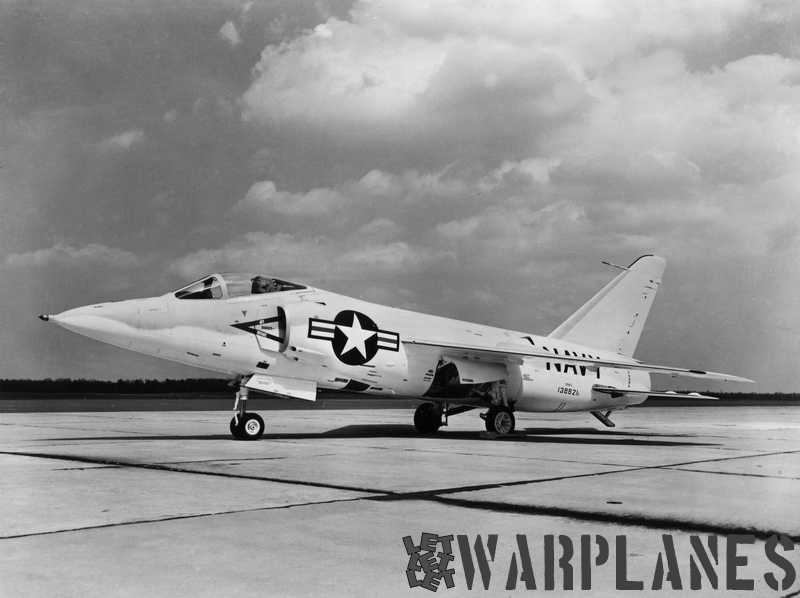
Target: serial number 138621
[568, 390]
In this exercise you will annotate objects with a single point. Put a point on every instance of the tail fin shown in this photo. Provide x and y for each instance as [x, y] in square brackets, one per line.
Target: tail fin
[613, 319]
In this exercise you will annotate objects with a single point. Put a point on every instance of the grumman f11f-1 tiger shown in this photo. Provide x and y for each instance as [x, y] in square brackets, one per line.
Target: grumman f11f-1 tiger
[291, 340]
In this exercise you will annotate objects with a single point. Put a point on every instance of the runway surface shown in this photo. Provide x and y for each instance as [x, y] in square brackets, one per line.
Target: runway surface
[167, 504]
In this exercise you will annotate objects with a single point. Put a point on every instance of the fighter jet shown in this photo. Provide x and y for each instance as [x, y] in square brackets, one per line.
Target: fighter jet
[293, 340]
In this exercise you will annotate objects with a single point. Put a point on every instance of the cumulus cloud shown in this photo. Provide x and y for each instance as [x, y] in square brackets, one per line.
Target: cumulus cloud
[313, 260]
[397, 256]
[449, 73]
[341, 71]
[360, 81]
[380, 229]
[263, 197]
[660, 123]
[478, 160]
[281, 254]
[582, 122]
[592, 30]
[64, 255]
[230, 34]
[506, 143]
[123, 141]
[408, 200]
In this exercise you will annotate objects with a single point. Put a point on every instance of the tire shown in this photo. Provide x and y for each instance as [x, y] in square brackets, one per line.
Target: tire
[427, 418]
[251, 426]
[500, 420]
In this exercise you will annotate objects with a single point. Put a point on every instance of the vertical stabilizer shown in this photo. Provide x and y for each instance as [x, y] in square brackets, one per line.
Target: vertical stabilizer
[613, 319]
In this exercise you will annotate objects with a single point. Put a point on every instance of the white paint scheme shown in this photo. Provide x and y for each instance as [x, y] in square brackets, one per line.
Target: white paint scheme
[490, 365]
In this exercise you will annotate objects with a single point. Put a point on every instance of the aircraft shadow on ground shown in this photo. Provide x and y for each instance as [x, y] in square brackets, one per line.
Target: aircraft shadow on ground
[535, 435]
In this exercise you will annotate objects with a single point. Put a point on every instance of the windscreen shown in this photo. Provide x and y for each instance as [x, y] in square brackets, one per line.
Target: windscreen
[229, 285]
[256, 284]
[207, 288]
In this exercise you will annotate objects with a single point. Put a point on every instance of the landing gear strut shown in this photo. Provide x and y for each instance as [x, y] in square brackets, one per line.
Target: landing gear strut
[499, 420]
[244, 425]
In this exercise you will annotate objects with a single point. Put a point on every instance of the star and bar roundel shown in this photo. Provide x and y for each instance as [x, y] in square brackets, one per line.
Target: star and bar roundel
[354, 336]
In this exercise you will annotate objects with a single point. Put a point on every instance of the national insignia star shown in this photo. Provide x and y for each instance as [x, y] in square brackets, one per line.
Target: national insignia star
[356, 337]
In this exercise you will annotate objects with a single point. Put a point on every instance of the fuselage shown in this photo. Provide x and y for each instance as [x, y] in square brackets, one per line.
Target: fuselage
[343, 343]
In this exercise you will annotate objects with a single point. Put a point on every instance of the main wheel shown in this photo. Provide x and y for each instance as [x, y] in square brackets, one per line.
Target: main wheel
[250, 427]
[500, 420]
[427, 418]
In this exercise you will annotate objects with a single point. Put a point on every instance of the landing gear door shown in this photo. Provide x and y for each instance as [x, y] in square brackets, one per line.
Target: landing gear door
[269, 329]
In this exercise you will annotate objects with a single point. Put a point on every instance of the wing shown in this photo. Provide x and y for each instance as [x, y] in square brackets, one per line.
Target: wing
[515, 354]
[670, 394]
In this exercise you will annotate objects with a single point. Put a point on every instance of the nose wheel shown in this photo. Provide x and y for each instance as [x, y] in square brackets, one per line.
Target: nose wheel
[249, 427]
[245, 425]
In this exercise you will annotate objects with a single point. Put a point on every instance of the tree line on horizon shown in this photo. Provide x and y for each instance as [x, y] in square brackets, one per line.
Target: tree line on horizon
[133, 386]
[223, 385]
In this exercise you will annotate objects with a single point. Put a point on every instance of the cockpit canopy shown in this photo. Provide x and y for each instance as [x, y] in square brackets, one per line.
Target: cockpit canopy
[234, 284]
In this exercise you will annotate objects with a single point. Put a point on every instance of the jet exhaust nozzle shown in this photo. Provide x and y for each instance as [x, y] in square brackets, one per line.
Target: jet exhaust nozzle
[45, 317]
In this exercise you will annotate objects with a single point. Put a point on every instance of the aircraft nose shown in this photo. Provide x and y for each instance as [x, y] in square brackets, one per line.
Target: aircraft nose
[108, 322]
[121, 311]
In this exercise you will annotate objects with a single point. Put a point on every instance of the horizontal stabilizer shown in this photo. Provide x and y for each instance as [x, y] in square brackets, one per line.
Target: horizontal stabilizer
[670, 394]
[287, 387]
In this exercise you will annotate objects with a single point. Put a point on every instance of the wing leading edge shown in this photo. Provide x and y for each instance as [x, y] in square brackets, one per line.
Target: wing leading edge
[669, 394]
[501, 354]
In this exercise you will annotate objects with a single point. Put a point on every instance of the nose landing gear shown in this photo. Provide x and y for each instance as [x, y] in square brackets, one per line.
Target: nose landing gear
[244, 425]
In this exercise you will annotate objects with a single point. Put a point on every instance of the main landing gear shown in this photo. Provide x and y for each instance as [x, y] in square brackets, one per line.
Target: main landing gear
[499, 420]
[244, 425]
[428, 418]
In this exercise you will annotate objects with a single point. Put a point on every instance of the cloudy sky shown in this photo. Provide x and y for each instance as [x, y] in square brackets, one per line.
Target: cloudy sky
[468, 159]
